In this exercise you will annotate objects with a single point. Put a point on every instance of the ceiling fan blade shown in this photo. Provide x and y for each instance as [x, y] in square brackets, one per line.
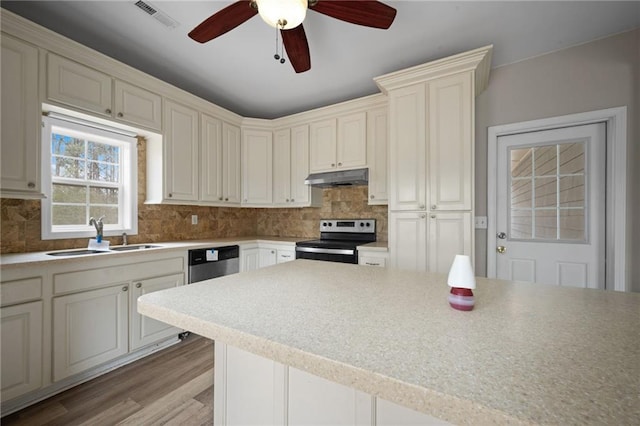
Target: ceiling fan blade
[364, 12]
[295, 42]
[223, 21]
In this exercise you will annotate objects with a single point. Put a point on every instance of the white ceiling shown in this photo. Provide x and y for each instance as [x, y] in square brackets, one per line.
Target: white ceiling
[237, 70]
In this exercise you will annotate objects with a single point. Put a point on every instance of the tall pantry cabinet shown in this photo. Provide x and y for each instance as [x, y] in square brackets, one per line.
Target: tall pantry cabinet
[431, 159]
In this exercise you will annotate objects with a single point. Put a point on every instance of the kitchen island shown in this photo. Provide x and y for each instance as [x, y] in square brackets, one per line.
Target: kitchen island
[527, 354]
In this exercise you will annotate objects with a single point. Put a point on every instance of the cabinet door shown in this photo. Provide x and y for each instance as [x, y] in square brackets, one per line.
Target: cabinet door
[211, 159]
[408, 240]
[21, 349]
[322, 144]
[73, 84]
[317, 401]
[137, 106]
[249, 259]
[20, 119]
[449, 234]
[268, 257]
[390, 414]
[301, 193]
[231, 164]
[249, 389]
[451, 143]
[407, 148]
[89, 328]
[351, 149]
[143, 330]
[377, 145]
[282, 152]
[257, 167]
[181, 152]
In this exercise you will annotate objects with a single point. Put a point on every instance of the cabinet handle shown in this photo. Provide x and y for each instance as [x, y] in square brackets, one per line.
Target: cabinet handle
[371, 264]
[108, 111]
[333, 164]
[220, 199]
[138, 285]
[31, 185]
[292, 200]
[272, 252]
[170, 195]
[433, 207]
[125, 288]
[245, 200]
[120, 114]
[287, 200]
[372, 197]
[422, 216]
[421, 206]
[226, 199]
[339, 164]
[433, 216]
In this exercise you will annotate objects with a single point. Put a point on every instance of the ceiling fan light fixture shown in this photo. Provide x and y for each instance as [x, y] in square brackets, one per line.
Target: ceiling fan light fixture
[291, 13]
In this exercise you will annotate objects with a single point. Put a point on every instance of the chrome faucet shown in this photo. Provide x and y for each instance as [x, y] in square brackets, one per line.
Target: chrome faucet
[99, 225]
[124, 239]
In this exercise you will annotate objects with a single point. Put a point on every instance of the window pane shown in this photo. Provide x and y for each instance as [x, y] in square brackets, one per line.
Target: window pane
[572, 158]
[546, 224]
[68, 215]
[103, 152]
[521, 162]
[521, 224]
[521, 193]
[546, 192]
[102, 195]
[102, 172]
[546, 160]
[67, 167]
[572, 191]
[572, 224]
[67, 146]
[110, 213]
[69, 193]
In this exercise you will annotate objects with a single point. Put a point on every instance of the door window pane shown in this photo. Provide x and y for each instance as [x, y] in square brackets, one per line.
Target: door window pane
[548, 188]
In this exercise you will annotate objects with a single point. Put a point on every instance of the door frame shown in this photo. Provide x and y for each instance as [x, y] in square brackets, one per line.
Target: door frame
[616, 185]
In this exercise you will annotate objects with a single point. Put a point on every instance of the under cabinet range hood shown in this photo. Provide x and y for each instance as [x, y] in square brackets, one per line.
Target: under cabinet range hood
[339, 178]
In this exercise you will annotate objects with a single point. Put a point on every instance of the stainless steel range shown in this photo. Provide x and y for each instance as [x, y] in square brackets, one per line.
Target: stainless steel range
[338, 241]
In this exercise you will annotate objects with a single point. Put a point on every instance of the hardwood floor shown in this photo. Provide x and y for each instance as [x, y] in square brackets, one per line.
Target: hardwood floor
[171, 387]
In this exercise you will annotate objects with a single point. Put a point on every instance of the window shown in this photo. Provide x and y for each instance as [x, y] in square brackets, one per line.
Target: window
[87, 172]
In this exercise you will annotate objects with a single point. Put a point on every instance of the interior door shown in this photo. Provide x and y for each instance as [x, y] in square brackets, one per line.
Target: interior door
[551, 206]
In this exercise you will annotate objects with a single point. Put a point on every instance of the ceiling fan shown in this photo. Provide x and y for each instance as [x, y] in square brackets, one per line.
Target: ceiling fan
[287, 16]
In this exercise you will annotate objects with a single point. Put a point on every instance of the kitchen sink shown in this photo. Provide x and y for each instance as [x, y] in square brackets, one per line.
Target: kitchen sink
[75, 252]
[135, 247]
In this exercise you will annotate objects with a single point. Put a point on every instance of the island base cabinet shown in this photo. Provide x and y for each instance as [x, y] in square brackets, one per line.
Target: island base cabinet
[21, 349]
[250, 389]
[90, 328]
[145, 330]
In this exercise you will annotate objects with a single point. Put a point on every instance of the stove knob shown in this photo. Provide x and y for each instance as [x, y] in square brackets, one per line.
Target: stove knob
[330, 224]
[368, 224]
[361, 223]
[324, 223]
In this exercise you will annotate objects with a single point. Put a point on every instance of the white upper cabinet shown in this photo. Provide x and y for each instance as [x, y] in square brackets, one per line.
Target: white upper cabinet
[180, 152]
[377, 155]
[450, 143]
[407, 151]
[80, 87]
[291, 168]
[73, 84]
[339, 143]
[231, 175]
[20, 120]
[219, 162]
[257, 167]
[137, 106]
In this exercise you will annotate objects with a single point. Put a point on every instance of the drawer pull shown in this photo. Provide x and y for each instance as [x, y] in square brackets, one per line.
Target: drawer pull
[125, 288]
[138, 285]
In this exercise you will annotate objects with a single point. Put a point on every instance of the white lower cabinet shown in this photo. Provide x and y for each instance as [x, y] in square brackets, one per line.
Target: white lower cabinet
[373, 260]
[256, 257]
[144, 330]
[408, 240]
[249, 259]
[268, 257]
[251, 389]
[21, 349]
[285, 255]
[90, 328]
[449, 234]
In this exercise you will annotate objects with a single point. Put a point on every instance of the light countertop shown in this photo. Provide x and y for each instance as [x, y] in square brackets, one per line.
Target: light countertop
[527, 354]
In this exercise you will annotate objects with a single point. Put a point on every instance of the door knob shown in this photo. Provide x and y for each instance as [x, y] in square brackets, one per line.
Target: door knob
[501, 249]
[501, 235]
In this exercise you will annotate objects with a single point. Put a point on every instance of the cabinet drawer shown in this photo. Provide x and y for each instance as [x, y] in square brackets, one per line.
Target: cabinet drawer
[19, 291]
[286, 256]
[373, 261]
[83, 280]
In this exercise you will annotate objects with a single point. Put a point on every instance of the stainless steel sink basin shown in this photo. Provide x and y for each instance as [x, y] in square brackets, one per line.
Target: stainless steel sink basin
[75, 252]
[135, 247]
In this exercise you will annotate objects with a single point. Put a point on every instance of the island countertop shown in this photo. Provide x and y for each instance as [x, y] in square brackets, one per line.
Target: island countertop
[528, 354]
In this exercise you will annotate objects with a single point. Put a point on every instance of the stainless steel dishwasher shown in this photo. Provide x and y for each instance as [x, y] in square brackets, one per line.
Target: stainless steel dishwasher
[213, 262]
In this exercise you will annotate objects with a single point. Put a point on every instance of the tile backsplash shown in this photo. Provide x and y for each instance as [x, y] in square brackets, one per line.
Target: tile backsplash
[20, 219]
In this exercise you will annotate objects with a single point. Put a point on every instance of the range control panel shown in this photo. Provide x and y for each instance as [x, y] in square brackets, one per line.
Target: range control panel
[367, 226]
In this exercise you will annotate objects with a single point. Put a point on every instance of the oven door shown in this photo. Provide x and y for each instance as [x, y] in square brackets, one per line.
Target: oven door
[327, 254]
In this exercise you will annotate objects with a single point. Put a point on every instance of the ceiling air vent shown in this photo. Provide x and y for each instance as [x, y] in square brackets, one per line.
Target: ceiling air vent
[157, 14]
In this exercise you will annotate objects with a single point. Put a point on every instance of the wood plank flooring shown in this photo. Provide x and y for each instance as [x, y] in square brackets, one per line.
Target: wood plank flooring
[171, 387]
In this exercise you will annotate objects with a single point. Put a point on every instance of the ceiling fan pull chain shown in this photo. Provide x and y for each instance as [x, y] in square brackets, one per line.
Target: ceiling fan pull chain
[276, 56]
[281, 24]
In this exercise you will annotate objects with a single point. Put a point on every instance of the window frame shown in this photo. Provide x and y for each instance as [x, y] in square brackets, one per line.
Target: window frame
[127, 197]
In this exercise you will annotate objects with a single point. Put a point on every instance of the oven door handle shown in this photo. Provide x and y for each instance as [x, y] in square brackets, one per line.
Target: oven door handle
[325, 250]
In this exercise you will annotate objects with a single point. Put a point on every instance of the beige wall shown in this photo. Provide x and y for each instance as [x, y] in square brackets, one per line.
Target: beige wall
[597, 75]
